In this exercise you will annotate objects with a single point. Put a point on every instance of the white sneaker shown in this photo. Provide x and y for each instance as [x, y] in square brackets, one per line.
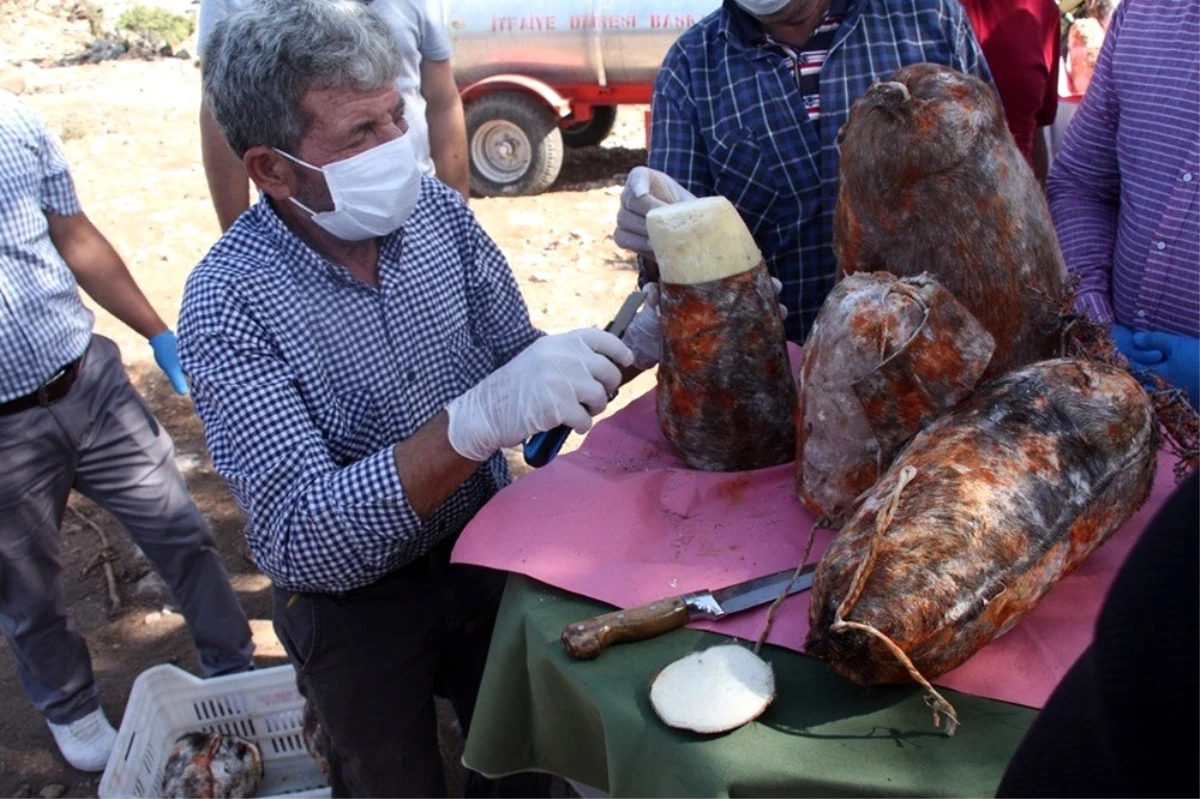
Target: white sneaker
[86, 743]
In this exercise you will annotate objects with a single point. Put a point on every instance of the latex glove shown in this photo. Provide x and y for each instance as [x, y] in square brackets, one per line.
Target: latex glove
[644, 334]
[1179, 364]
[561, 379]
[166, 354]
[1123, 336]
[778, 284]
[645, 189]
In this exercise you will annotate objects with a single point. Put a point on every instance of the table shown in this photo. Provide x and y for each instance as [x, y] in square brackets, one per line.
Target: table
[592, 722]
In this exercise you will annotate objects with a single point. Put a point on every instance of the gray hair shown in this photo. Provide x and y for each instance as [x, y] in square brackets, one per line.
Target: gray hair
[261, 61]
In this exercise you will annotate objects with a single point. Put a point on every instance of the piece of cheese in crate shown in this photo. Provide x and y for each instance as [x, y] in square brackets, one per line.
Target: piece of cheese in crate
[262, 706]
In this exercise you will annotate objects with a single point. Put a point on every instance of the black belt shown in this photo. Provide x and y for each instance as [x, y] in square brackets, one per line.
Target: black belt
[49, 392]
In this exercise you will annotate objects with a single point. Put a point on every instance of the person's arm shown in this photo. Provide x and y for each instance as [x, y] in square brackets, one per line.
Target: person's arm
[676, 147]
[102, 273]
[1084, 188]
[1041, 155]
[227, 182]
[1051, 59]
[447, 127]
[333, 527]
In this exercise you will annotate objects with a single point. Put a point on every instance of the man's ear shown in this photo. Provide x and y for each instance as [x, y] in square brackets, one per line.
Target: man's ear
[271, 172]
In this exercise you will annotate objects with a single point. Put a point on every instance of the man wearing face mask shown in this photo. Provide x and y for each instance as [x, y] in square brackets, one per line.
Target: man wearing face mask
[748, 104]
[434, 111]
[359, 353]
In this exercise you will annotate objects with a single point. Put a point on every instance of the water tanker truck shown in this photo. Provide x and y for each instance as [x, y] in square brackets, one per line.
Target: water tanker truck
[537, 76]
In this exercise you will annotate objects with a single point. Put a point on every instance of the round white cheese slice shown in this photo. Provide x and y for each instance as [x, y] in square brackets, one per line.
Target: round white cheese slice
[716, 690]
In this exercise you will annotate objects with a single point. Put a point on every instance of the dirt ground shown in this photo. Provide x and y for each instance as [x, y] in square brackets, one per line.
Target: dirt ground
[129, 130]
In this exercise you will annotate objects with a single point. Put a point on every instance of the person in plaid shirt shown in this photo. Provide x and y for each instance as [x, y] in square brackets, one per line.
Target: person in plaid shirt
[748, 105]
[359, 353]
[70, 420]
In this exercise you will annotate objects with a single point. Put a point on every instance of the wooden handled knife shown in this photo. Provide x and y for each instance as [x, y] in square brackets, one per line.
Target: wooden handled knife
[588, 638]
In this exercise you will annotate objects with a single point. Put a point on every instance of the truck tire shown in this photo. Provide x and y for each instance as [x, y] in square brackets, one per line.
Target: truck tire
[595, 130]
[514, 145]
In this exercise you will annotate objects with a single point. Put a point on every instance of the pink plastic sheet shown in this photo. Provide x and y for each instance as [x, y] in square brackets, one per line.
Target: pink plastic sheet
[623, 521]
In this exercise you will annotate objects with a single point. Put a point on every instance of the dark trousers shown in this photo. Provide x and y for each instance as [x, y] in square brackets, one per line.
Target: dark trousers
[371, 660]
[101, 440]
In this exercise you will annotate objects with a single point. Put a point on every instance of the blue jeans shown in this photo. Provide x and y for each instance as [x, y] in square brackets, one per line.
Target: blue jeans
[101, 440]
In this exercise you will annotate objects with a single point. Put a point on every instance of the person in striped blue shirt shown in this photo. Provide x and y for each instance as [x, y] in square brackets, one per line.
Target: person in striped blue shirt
[748, 105]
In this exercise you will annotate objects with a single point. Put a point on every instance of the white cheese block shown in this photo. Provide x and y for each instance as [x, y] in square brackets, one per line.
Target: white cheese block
[716, 690]
[697, 241]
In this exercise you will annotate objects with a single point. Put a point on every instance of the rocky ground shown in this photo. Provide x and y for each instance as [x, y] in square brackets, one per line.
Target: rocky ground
[129, 130]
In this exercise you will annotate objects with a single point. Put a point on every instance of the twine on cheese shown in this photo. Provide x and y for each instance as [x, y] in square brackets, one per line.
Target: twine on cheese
[783, 594]
[883, 520]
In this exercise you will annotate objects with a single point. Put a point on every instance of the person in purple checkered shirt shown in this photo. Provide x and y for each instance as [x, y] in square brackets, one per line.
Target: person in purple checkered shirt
[748, 105]
[1123, 189]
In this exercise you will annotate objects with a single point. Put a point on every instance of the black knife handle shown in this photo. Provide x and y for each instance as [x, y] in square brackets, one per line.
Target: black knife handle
[541, 448]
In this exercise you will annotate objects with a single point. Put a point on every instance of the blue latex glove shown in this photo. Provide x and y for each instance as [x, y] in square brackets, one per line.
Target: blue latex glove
[1123, 338]
[166, 353]
[1180, 361]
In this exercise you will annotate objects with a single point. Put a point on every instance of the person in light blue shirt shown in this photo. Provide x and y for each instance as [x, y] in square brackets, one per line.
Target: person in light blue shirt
[71, 420]
[360, 353]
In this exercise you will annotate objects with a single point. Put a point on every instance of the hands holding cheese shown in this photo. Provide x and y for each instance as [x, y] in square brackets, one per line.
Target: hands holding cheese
[561, 379]
[647, 189]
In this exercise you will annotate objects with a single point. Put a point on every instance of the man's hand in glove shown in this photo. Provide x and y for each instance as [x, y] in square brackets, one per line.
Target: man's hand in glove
[1178, 359]
[644, 334]
[561, 379]
[645, 190]
[166, 354]
[1138, 358]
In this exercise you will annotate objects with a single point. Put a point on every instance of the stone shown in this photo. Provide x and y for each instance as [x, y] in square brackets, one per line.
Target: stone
[52, 791]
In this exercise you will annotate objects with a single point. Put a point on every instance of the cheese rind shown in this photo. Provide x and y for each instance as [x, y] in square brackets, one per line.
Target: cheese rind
[701, 240]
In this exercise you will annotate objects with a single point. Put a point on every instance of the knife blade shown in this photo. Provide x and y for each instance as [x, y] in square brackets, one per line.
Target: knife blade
[586, 639]
[541, 448]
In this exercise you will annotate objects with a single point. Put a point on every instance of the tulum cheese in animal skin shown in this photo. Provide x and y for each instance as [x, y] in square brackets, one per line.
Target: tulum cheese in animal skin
[726, 394]
[932, 181]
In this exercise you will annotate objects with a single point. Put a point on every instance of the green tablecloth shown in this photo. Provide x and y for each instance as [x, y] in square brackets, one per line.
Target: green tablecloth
[592, 722]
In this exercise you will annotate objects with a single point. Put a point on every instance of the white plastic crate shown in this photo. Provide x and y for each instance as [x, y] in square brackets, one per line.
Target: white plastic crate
[263, 706]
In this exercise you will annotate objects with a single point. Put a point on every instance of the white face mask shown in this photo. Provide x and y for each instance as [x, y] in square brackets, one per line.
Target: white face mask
[373, 192]
[762, 8]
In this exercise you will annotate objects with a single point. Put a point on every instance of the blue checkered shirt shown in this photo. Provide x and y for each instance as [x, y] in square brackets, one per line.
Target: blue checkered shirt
[306, 377]
[728, 118]
[43, 322]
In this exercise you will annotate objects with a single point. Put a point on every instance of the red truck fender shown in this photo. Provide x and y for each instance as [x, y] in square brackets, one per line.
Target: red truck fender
[540, 89]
